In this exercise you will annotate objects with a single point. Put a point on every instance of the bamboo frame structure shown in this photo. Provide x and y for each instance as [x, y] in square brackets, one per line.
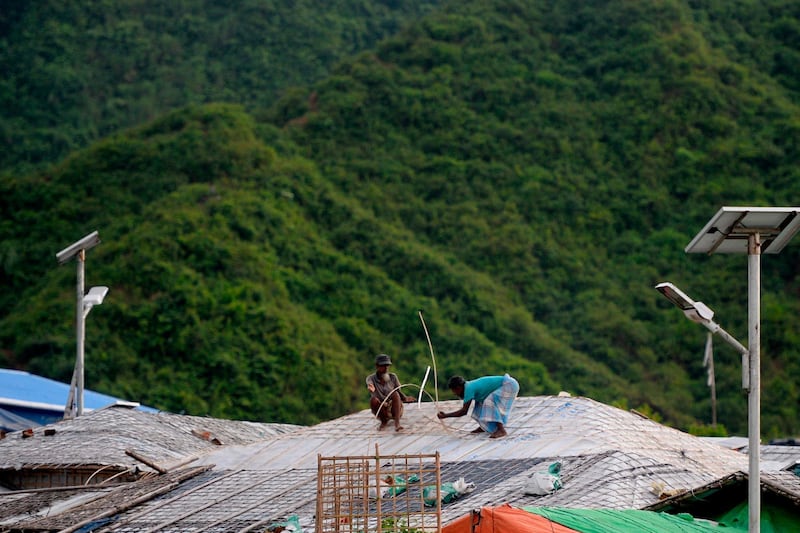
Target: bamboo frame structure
[391, 493]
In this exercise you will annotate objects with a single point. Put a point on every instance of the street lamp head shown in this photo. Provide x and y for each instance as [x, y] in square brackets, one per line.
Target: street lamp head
[95, 296]
[694, 311]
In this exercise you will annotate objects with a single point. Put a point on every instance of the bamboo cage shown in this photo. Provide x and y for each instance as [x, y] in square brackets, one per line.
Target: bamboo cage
[389, 493]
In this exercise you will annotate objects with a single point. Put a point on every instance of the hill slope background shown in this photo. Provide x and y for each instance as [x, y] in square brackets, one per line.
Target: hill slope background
[74, 73]
[523, 172]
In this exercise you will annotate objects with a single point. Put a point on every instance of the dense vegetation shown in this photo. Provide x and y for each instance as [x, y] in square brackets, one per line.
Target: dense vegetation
[74, 72]
[525, 172]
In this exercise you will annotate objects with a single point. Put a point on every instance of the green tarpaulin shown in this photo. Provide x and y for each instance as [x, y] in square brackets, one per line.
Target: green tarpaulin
[634, 521]
[773, 519]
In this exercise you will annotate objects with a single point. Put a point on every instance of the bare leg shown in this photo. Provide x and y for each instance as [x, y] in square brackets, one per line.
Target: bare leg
[397, 411]
[383, 415]
[499, 432]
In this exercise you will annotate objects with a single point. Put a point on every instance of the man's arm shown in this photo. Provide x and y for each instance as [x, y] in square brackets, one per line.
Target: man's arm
[455, 414]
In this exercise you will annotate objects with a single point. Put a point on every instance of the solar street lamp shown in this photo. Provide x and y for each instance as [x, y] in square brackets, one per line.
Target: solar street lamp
[751, 231]
[85, 302]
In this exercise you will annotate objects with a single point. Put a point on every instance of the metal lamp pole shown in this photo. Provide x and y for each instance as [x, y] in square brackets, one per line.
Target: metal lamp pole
[83, 305]
[754, 394]
[750, 230]
[80, 332]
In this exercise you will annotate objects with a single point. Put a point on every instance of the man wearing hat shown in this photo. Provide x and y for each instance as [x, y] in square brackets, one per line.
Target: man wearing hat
[386, 400]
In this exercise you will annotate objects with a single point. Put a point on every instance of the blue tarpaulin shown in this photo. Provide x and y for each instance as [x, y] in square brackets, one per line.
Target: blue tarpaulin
[40, 400]
[13, 422]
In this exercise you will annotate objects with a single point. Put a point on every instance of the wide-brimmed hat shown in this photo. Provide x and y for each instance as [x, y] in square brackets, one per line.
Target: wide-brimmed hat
[382, 360]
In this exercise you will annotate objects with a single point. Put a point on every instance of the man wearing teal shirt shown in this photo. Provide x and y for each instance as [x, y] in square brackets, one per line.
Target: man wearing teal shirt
[493, 396]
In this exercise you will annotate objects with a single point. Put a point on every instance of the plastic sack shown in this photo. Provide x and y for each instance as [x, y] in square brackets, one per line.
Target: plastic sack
[292, 524]
[399, 485]
[545, 481]
[391, 486]
[449, 491]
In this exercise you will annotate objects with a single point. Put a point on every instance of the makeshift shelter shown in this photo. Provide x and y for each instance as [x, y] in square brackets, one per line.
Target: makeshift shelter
[628, 521]
[725, 501]
[565, 520]
[117, 443]
[10, 421]
[205, 474]
[36, 401]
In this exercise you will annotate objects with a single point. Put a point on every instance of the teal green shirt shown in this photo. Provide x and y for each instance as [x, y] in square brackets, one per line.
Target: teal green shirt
[479, 389]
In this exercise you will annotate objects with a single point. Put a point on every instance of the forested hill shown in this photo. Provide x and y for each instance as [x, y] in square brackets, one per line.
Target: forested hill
[524, 172]
[74, 72]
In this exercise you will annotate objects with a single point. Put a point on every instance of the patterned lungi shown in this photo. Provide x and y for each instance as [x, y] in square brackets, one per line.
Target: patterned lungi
[497, 406]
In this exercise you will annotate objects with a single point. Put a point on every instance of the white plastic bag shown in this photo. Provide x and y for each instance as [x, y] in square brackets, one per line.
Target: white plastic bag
[545, 481]
[448, 491]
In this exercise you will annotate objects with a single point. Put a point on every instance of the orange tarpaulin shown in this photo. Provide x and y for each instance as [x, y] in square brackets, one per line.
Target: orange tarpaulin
[506, 519]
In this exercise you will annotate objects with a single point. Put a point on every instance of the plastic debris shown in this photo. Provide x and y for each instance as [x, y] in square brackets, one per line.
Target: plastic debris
[449, 491]
[392, 485]
[544, 481]
[292, 524]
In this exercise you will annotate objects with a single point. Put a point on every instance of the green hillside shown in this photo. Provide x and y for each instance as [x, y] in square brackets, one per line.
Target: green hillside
[523, 172]
[74, 72]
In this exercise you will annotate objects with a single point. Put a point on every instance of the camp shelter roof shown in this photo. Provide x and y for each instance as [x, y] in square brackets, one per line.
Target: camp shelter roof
[610, 458]
[734, 442]
[540, 427]
[778, 457]
[11, 421]
[782, 484]
[90, 505]
[626, 520]
[725, 500]
[772, 456]
[21, 386]
[102, 437]
[504, 518]
[558, 520]
[42, 400]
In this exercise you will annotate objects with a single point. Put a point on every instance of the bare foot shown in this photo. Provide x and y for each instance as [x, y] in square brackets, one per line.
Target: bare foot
[383, 425]
[498, 433]
[477, 430]
[398, 428]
